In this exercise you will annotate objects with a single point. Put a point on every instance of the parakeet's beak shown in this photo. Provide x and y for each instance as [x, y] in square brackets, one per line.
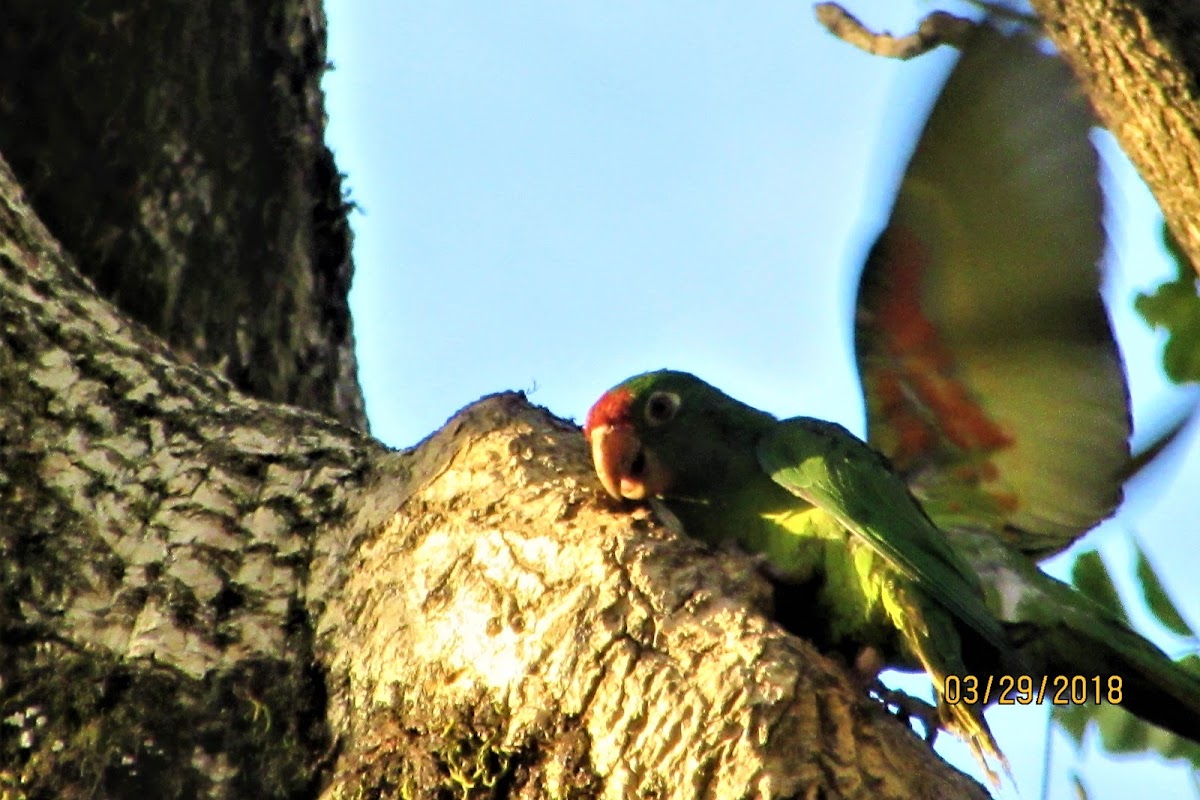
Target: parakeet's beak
[626, 469]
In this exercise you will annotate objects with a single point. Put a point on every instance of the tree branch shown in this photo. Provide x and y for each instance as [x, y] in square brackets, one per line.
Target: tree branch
[205, 595]
[509, 608]
[937, 28]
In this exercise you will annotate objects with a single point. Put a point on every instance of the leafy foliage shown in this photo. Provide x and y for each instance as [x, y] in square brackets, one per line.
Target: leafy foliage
[1157, 599]
[1091, 577]
[1175, 307]
[1120, 731]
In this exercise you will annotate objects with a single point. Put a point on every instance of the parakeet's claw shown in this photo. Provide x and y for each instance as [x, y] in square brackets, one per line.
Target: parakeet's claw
[906, 707]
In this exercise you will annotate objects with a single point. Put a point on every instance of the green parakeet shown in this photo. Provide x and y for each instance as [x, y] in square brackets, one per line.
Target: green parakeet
[885, 584]
[823, 508]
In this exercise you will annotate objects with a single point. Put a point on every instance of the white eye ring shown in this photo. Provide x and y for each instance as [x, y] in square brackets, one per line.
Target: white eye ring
[661, 407]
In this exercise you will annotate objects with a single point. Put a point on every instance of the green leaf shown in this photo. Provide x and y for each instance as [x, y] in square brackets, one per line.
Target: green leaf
[1157, 598]
[1122, 733]
[1183, 265]
[1175, 306]
[1091, 577]
[1191, 664]
[1073, 720]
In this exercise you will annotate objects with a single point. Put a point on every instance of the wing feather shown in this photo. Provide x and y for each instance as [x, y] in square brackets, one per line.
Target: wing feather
[824, 464]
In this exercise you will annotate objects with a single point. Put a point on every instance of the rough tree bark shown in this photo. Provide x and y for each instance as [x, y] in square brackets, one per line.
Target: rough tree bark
[206, 593]
[176, 149]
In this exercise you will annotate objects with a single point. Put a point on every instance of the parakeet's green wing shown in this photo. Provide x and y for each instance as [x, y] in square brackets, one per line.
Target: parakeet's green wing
[827, 466]
[992, 378]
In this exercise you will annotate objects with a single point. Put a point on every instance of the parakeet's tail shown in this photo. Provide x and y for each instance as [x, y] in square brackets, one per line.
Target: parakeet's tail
[1090, 645]
[933, 639]
[967, 723]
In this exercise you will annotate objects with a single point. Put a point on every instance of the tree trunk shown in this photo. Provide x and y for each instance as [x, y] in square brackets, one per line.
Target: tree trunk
[176, 149]
[206, 593]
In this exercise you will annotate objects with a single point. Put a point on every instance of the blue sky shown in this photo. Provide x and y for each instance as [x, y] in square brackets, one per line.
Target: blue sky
[558, 195]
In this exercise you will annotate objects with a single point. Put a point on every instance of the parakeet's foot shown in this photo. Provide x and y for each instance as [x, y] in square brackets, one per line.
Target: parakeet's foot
[907, 707]
[867, 665]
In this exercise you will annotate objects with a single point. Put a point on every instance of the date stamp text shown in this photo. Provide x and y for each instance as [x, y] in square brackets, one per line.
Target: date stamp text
[1023, 690]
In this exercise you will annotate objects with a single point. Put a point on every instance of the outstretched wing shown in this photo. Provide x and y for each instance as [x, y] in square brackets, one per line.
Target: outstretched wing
[992, 378]
[826, 465]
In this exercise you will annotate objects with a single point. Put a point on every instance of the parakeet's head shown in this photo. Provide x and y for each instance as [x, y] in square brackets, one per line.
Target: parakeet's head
[669, 433]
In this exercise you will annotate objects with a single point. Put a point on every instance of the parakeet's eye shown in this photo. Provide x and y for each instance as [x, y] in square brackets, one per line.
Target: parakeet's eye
[661, 407]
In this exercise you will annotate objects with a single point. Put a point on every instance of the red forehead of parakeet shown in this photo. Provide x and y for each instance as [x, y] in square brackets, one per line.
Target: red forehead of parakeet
[614, 408]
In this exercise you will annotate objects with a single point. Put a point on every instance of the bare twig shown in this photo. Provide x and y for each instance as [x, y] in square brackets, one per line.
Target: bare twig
[936, 28]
